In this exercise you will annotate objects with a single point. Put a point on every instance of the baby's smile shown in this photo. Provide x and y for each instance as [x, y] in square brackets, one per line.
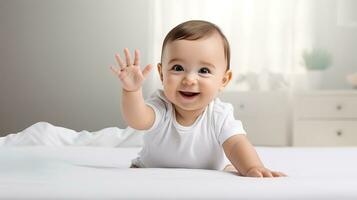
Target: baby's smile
[188, 95]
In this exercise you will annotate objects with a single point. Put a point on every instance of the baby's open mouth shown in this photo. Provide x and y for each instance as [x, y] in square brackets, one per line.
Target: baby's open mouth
[189, 94]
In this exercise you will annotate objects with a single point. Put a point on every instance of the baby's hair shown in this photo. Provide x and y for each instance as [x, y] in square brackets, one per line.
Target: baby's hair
[195, 30]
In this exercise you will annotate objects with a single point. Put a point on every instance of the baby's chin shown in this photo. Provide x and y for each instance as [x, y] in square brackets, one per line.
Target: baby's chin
[190, 107]
[196, 110]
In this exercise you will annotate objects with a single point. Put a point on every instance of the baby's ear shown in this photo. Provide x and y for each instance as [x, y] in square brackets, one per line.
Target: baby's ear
[159, 69]
[226, 78]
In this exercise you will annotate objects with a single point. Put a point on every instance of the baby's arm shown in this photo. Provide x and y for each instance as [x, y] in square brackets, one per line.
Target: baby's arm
[245, 159]
[135, 112]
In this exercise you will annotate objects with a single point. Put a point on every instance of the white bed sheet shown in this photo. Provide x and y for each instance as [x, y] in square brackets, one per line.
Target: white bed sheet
[42, 172]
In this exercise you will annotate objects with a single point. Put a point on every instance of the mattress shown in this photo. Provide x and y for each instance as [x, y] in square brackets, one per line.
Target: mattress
[45, 172]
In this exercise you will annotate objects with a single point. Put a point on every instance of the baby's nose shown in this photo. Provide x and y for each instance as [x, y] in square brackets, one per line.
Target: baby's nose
[190, 79]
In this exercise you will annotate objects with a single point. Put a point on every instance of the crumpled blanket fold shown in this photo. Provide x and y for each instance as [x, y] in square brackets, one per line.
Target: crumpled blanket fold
[44, 133]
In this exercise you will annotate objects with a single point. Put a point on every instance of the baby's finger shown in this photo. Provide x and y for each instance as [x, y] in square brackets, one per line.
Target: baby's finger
[267, 173]
[275, 174]
[114, 70]
[282, 174]
[254, 173]
[119, 60]
[137, 57]
[127, 57]
[147, 70]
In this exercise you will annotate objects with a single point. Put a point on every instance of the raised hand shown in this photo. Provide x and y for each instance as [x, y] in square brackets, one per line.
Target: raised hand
[130, 74]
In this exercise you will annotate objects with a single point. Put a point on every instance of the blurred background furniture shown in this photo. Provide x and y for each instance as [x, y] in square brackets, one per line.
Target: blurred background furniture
[265, 115]
[325, 118]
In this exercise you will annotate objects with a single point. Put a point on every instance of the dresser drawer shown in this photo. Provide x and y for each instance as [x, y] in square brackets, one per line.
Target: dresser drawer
[271, 131]
[326, 107]
[258, 104]
[265, 115]
[325, 133]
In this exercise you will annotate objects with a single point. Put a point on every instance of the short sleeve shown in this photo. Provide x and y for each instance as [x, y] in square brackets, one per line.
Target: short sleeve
[159, 105]
[229, 125]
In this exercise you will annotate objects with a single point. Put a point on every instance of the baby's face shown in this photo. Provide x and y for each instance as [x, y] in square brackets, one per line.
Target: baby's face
[193, 72]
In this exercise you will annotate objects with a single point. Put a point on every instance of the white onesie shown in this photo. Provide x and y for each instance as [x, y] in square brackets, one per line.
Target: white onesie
[167, 144]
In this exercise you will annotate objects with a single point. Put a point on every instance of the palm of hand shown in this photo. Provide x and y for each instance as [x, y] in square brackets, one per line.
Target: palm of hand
[129, 74]
[131, 78]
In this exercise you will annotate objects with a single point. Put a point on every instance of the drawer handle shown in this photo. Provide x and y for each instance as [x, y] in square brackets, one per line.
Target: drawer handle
[339, 133]
[241, 106]
[339, 107]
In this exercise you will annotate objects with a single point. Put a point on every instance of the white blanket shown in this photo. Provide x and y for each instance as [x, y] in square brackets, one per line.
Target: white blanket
[49, 162]
[43, 133]
[43, 172]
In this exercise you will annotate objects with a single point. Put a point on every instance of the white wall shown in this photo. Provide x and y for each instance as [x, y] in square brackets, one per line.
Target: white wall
[339, 39]
[54, 58]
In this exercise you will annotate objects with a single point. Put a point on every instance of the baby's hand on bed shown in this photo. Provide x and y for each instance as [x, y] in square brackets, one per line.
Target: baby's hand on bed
[130, 74]
[263, 172]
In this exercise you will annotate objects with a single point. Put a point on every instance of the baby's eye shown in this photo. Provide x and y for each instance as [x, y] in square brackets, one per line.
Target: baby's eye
[177, 68]
[204, 70]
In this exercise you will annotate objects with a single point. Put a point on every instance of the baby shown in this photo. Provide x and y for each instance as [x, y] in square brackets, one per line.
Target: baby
[186, 125]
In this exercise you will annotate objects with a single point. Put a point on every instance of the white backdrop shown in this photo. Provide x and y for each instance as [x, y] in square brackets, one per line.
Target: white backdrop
[266, 37]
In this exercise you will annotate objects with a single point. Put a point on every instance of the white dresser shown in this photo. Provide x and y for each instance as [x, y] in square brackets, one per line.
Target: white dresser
[265, 115]
[325, 118]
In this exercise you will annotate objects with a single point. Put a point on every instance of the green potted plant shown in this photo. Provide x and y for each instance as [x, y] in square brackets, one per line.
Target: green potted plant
[316, 61]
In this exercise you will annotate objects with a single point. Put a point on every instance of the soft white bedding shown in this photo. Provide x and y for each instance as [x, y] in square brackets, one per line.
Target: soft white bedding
[43, 133]
[43, 172]
[50, 162]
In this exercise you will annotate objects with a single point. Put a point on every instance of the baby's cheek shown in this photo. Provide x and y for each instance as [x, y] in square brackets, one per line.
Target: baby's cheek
[211, 84]
[171, 80]
[170, 85]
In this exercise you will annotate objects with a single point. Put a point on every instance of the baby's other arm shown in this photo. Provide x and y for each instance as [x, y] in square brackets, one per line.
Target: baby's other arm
[135, 112]
[245, 159]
